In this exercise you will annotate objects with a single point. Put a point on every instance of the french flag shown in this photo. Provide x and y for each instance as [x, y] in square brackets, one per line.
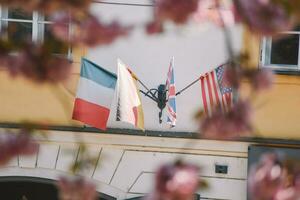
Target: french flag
[94, 96]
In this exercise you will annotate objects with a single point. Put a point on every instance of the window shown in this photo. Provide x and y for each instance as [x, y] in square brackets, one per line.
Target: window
[282, 53]
[33, 188]
[22, 26]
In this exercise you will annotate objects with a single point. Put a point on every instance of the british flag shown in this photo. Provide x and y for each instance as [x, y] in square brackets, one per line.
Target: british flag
[171, 103]
[214, 93]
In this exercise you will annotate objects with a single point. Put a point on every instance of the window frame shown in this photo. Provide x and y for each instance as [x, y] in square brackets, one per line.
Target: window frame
[38, 27]
[265, 55]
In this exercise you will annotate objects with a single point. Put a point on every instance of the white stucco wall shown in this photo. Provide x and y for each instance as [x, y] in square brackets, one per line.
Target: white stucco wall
[197, 48]
[126, 164]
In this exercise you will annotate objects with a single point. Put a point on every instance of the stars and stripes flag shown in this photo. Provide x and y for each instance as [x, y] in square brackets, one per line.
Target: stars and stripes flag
[171, 103]
[214, 93]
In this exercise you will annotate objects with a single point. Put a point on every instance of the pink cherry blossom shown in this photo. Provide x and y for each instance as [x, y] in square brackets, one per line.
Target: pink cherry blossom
[289, 193]
[266, 178]
[14, 144]
[154, 27]
[87, 30]
[265, 17]
[76, 188]
[297, 180]
[228, 125]
[274, 177]
[262, 79]
[232, 76]
[177, 11]
[49, 6]
[37, 63]
[177, 181]
[209, 11]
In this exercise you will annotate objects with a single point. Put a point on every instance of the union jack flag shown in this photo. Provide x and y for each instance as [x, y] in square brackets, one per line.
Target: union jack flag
[214, 93]
[171, 103]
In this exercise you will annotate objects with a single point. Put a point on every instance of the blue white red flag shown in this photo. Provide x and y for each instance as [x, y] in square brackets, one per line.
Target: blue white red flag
[213, 92]
[171, 103]
[94, 96]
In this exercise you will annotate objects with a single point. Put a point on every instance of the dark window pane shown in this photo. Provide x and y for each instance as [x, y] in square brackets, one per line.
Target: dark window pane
[19, 14]
[19, 32]
[47, 18]
[285, 50]
[297, 28]
[56, 46]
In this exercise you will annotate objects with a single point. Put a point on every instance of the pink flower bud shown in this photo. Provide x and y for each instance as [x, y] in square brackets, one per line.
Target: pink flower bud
[177, 181]
[262, 79]
[177, 11]
[266, 178]
[228, 125]
[12, 145]
[76, 188]
[263, 16]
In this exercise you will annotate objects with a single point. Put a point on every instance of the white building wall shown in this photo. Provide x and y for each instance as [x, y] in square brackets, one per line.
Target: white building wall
[127, 164]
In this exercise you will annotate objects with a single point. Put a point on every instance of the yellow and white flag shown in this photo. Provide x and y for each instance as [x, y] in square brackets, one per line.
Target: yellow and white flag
[129, 106]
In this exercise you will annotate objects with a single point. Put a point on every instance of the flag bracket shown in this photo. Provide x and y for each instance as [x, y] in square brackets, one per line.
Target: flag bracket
[159, 96]
[147, 94]
[161, 99]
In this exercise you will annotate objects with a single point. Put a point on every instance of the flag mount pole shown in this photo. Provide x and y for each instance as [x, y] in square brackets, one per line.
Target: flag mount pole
[195, 81]
[157, 95]
[188, 86]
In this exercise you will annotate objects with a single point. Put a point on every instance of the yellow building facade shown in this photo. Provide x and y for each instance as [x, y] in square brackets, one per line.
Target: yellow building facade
[277, 112]
[128, 159]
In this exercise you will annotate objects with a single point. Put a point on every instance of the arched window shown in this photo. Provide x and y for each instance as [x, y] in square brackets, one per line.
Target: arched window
[32, 188]
[35, 26]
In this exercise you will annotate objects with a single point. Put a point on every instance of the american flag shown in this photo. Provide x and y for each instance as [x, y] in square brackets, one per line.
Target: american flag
[171, 104]
[214, 93]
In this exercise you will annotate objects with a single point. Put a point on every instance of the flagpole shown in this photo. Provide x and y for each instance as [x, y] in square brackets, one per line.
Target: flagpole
[148, 91]
[146, 94]
[143, 84]
[186, 87]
